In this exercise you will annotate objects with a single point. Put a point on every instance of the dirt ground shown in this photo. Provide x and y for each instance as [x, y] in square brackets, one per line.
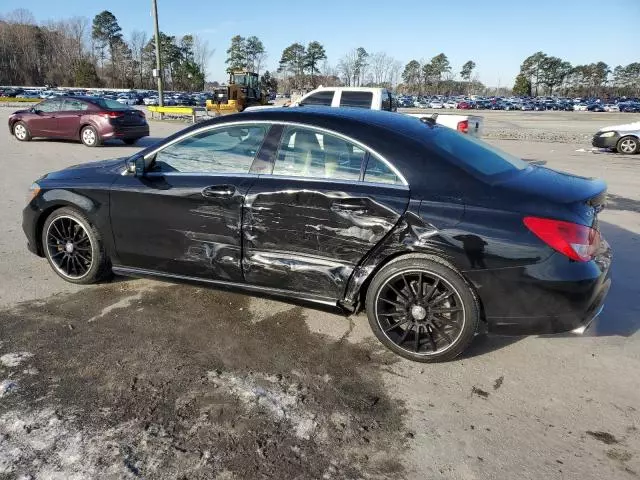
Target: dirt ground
[143, 379]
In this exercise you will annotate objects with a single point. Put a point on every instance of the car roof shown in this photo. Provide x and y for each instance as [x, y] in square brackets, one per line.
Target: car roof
[396, 122]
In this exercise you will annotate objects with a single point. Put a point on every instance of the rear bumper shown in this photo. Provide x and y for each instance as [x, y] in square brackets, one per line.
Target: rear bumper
[136, 131]
[555, 296]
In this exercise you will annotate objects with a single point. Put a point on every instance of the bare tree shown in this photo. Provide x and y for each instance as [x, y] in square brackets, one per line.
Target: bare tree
[79, 31]
[347, 66]
[137, 42]
[380, 64]
[395, 73]
[202, 53]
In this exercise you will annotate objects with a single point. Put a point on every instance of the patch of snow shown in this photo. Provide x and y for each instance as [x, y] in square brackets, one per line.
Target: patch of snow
[14, 359]
[7, 386]
[282, 400]
[44, 445]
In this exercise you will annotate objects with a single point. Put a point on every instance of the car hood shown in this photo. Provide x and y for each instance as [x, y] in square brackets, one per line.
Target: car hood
[103, 167]
[627, 127]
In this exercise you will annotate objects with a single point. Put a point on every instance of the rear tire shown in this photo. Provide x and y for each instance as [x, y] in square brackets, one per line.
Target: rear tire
[21, 132]
[628, 145]
[74, 248]
[89, 136]
[130, 141]
[422, 309]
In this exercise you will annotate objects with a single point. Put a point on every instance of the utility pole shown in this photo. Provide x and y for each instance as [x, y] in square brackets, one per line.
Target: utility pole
[158, 61]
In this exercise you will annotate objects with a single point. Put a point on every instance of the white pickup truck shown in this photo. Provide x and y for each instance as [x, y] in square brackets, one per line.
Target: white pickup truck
[382, 99]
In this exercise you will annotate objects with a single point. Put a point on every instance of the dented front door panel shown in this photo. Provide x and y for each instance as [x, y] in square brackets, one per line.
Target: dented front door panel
[308, 236]
[181, 224]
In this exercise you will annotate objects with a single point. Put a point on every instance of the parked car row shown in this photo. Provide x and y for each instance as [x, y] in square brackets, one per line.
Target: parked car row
[517, 103]
[137, 97]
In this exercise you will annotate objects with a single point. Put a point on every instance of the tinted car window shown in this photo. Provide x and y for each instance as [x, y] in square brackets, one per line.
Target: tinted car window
[109, 104]
[379, 172]
[72, 104]
[49, 106]
[476, 155]
[356, 99]
[307, 153]
[222, 150]
[386, 101]
[324, 97]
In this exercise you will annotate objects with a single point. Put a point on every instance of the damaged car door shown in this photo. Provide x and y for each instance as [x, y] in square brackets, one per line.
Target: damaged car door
[183, 215]
[325, 204]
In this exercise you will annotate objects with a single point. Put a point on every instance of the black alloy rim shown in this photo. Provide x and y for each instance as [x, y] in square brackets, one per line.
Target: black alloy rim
[69, 247]
[420, 312]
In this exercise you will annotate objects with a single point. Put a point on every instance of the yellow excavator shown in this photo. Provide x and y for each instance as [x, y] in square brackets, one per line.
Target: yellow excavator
[243, 91]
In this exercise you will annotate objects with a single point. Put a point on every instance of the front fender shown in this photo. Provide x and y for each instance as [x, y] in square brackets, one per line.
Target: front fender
[94, 204]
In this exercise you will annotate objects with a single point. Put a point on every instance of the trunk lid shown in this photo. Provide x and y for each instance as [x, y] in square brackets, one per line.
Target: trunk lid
[129, 117]
[583, 196]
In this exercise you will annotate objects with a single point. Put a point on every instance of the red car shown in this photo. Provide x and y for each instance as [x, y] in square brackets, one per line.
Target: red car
[464, 106]
[91, 120]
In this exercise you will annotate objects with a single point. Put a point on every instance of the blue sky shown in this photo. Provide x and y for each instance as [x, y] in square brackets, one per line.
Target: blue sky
[496, 34]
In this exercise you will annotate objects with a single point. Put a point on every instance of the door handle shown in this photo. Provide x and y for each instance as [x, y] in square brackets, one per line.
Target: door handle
[219, 191]
[353, 205]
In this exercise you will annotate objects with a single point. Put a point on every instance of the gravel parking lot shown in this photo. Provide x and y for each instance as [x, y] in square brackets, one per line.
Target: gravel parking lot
[142, 379]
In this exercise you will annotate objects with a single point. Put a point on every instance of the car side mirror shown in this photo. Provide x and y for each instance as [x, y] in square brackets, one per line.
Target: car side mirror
[139, 166]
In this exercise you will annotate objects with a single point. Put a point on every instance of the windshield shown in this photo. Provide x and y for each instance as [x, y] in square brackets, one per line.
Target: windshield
[476, 156]
[110, 104]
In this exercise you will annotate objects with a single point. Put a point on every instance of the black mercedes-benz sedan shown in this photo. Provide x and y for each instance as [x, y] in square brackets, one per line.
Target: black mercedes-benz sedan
[435, 234]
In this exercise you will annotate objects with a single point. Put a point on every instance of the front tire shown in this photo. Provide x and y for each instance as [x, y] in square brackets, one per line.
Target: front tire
[21, 132]
[628, 145]
[89, 136]
[422, 309]
[73, 247]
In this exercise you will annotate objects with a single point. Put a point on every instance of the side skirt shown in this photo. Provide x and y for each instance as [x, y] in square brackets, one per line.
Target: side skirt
[281, 294]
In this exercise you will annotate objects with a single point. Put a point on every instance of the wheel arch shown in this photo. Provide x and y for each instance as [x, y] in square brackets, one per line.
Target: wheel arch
[54, 200]
[86, 123]
[363, 286]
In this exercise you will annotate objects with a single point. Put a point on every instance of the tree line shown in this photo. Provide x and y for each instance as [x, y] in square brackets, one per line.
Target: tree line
[545, 74]
[80, 53]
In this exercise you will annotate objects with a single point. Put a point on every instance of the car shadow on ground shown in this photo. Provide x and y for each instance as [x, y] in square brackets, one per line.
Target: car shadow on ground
[621, 314]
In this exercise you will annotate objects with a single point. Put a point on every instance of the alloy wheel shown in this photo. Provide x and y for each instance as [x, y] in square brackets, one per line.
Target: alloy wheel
[88, 136]
[20, 131]
[69, 247]
[420, 312]
[628, 146]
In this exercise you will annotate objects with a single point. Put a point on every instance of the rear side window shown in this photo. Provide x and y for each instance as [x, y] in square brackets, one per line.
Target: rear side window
[324, 97]
[475, 155]
[109, 104]
[356, 99]
[379, 172]
[72, 104]
[308, 153]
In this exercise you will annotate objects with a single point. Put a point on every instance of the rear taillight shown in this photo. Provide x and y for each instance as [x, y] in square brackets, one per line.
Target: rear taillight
[578, 242]
[463, 126]
[111, 114]
[141, 113]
